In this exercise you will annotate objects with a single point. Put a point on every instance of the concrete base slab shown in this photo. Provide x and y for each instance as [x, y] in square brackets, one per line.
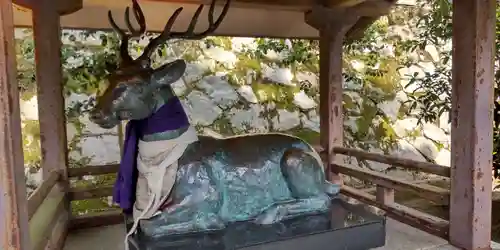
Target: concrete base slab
[399, 237]
[403, 237]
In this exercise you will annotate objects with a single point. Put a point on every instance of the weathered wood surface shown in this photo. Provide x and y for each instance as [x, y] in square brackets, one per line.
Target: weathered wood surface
[435, 194]
[385, 195]
[13, 213]
[93, 170]
[99, 219]
[332, 35]
[62, 7]
[47, 37]
[69, 6]
[39, 195]
[44, 220]
[472, 123]
[395, 161]
[412, 217]
[247, 19]
[84, 193]
[59, 233]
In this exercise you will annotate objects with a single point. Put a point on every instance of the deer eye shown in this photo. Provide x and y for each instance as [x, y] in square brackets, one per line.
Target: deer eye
[117, 92]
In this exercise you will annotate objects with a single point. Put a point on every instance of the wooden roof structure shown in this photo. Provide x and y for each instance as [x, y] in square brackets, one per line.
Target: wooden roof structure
[330, 21]
[253, 18]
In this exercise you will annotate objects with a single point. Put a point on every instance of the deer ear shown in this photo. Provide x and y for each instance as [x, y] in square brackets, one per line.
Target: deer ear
[168, 73]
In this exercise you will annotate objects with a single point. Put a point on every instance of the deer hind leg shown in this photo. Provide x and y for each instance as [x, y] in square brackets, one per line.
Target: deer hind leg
[303, 173]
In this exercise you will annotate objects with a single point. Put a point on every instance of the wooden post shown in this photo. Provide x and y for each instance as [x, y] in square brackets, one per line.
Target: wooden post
[472, 123]
[47, 36]
[46, 28]
[331, 94]
[332, 25]
[385, 195]
[13, 211]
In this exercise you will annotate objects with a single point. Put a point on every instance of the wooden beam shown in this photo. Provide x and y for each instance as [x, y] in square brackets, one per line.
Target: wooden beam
[301, 5]
[333, 25]
[62, 7]
[409, 164]
[13, 213]
[472, 123]
[59, 233]
[66, 7]
[47, 36]
[436, 194]
[99, 219]
[45, 218]
[50, 89]
[367, 12]
[407, 215]
[23, 3]
[84, 193]
[332, 33]
[331, 94]
[358, 30]
[43, 190]
[94, 170]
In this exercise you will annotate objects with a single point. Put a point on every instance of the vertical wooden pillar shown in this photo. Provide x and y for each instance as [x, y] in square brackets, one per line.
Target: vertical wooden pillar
[47, 34]
[13, 211]
[331, 95]
[332, 25]
[472, 123]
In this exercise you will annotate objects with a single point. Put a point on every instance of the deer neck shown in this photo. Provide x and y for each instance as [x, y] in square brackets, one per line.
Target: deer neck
[161, 98]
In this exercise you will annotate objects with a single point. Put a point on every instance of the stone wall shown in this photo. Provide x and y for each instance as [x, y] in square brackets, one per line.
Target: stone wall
[227, 90]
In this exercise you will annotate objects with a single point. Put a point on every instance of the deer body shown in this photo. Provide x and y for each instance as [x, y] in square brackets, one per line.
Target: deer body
[204, 183]
[263, 178]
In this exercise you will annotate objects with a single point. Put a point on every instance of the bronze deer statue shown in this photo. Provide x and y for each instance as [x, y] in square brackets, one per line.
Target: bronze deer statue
[174, 181]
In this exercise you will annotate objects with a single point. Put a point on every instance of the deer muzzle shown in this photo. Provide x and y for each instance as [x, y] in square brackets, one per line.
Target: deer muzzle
[102, 119]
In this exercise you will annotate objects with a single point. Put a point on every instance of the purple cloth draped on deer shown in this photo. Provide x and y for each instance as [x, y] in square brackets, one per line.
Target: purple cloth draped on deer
[170, 116]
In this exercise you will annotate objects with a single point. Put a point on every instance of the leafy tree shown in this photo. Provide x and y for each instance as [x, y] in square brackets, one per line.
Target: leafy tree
[432, 97]
[88, 56]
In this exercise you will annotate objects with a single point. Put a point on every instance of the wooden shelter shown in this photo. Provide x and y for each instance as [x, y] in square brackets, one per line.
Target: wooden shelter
[329, 21]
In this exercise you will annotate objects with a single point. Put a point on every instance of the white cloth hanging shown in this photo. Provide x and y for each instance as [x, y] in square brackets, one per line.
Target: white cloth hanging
[157, 166]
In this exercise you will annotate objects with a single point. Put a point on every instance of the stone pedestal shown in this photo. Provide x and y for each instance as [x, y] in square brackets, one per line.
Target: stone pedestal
[346, 226]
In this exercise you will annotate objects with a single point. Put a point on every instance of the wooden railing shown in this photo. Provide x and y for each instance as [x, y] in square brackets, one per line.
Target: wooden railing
[386, 186]
[46, 212]
[104, 218]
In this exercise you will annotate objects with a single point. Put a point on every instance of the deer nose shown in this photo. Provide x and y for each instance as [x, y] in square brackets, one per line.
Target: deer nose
[95, 115]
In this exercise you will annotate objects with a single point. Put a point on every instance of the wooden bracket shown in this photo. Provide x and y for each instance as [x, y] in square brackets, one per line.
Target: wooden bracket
[62, 7]
[330, 20]
[343, 18]
[373, 8]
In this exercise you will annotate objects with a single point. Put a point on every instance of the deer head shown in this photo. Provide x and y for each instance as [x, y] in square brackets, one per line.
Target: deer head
[135, 89]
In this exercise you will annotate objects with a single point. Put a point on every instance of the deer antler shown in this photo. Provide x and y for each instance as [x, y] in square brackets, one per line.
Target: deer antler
[189, 33]
[139, 16]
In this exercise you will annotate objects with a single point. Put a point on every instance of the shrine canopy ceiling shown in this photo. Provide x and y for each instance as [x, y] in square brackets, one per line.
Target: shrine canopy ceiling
[247, 18]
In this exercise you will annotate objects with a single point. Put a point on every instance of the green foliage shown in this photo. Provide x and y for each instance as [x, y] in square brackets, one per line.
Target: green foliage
[25, 55]
[281, 95]
[433, 96]
[433, 90]
[31, 143]
[89, 56]
[296, 51]
[85, 67]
